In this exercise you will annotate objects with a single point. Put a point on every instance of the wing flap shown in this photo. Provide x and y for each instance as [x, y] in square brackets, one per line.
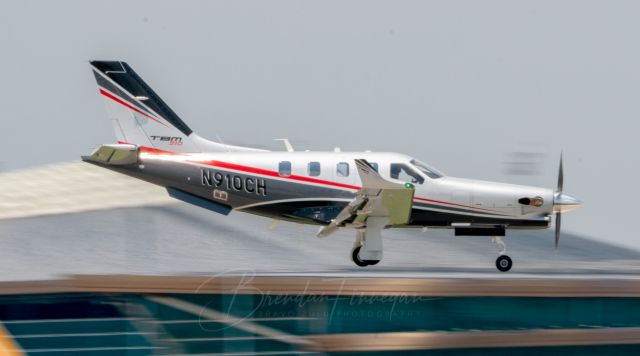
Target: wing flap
[378, 197]
[398, 204]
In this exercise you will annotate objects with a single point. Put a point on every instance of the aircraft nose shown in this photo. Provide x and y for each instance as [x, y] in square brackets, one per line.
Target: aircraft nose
[565, 202]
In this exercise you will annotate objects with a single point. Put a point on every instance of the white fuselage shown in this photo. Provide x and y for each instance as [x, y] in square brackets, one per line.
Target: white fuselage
[303, 172]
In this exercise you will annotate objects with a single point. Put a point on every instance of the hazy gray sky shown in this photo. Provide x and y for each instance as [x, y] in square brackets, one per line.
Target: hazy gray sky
[459, 84]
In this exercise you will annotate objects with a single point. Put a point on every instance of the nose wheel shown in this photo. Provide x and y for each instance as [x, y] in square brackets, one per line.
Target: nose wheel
[503, 262]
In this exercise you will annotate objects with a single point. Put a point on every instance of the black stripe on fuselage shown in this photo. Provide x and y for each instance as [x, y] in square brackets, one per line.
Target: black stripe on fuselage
[453, 209]
[420, 217]
[321, 212]
[308, 211]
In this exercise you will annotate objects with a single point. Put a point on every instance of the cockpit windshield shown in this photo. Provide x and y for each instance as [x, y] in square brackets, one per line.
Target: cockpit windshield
[426, 169]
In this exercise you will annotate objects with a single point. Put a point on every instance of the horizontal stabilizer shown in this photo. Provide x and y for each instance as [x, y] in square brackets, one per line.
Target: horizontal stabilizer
[114, 155]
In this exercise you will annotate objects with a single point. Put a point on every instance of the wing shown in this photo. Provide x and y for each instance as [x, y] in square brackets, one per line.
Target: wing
[378, 198]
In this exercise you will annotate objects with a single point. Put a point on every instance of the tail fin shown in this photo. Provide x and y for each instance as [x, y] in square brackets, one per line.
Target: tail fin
[140, 117]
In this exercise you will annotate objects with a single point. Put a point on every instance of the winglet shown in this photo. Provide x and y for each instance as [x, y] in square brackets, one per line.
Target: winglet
[371, 178]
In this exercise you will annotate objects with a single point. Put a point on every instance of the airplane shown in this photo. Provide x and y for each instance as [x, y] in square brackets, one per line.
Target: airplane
[365, 191]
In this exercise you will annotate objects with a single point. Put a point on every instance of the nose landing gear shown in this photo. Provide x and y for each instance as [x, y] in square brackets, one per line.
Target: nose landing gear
[503, 262]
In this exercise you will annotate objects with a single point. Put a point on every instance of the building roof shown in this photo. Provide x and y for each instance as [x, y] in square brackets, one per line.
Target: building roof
[70, 188]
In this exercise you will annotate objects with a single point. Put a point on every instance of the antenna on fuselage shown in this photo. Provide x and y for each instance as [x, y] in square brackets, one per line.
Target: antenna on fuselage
[287, 144]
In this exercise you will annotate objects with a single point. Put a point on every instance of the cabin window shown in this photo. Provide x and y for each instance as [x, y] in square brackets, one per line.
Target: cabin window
[314, 169]
[405, 173]
[374, 165]
[284, 168]
[342, 169]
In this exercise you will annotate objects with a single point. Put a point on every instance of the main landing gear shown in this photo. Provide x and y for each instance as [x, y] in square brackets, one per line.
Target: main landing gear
[503, 262]
[362, 263]
[367, 250]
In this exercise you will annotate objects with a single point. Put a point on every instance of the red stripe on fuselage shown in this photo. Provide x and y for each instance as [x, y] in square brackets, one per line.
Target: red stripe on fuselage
[129, 106]
[238, 167]
[159, 152]
[265, 172]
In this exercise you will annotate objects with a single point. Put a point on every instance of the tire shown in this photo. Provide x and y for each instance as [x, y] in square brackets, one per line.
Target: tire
[504, 263]
[372, 262]
[356, 259]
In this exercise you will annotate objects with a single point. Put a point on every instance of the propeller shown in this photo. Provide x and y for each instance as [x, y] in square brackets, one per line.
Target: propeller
[558, 193]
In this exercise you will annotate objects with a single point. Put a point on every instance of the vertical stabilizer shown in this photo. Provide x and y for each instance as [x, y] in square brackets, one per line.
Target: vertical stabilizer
[139, 116]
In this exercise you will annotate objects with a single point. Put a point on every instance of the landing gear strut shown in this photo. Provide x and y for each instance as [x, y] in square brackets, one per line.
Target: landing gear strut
[503, 262]
[367, 250]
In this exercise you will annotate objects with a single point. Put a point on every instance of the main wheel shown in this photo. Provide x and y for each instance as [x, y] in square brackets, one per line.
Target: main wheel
[504, 263]
[356, 259]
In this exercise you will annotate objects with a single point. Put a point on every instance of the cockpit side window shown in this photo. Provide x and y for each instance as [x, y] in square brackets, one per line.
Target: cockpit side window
[426, 169]
[404, 172]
